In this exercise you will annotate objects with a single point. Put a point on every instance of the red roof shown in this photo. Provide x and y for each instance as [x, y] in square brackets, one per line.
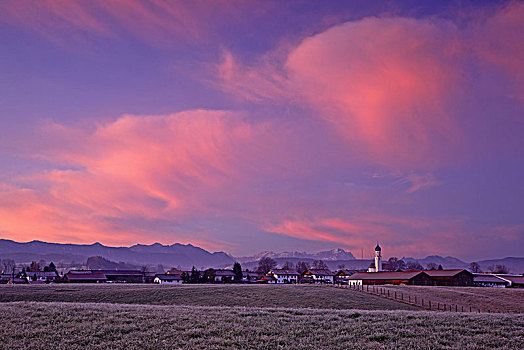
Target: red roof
[513, 279]
[86, 276]
[444, 273]
[385, 275]
[320, 272]
[284, 272]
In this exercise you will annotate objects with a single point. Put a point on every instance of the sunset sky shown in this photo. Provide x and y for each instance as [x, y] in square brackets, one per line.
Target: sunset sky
[246, 126]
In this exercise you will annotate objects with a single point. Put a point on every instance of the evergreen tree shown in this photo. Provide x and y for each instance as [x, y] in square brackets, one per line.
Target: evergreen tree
[237, 270]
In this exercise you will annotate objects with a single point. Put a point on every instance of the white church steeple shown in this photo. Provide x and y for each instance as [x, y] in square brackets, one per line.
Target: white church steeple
[378, 258]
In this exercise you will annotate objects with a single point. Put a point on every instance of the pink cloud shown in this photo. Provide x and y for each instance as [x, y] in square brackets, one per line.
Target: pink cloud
[390, 87]
[153, 21]
[498, 40]
[401, 236]
[148, 167]
[384, 85]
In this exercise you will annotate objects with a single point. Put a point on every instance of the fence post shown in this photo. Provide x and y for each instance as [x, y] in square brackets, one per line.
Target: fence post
[422, 302]
[430, 304]
[438, 306]
[456, 308]
[395, 295]
[462, 308]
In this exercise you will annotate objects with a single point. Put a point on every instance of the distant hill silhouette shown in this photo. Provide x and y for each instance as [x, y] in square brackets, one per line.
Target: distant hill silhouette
[187, 255]
[177, 254]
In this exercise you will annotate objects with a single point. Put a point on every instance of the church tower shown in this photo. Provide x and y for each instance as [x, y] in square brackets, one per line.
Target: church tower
[378, 258]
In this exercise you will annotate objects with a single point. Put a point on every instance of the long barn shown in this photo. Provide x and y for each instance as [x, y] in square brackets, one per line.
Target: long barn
[418, 278]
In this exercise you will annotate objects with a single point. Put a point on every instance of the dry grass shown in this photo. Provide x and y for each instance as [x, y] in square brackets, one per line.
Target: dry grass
[484, 299]
[71, 326]
[290, 296]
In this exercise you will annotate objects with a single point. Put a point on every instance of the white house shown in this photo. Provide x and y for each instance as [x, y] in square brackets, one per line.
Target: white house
[284, 276]
[41, 276]
[168, 279]
[320, 275]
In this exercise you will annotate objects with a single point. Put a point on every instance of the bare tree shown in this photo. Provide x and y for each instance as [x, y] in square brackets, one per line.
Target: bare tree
[265, 264]
[319, 264]
[395, 264]
[498, 269]
[414, 265]
[288, 266]
[302, 267]
[432, 266]
[475, 267]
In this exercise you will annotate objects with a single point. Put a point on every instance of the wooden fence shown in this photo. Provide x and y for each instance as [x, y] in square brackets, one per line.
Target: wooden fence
[406, 298]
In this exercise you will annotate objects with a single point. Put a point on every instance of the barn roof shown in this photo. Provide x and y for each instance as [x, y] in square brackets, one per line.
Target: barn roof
[488, 278]
[386, 275]
[169, 277]
[285, 272]
[119, 272]
[445, 273]
[85, 276]
[513, 279]
[225, 273]
[321, 272]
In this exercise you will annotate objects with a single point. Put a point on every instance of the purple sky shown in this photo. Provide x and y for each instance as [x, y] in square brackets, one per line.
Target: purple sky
[247, 126]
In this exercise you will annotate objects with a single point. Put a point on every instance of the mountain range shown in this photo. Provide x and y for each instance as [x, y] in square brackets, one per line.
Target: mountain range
[183, 255]
[187, 255]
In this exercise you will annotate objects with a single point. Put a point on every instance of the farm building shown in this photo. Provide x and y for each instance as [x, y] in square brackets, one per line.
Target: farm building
[85, 277]
[515, 281]
[222, 275]
[419, 278]
[284, 276]
[41, 276]
[267, 279]
[456, 277]
[127, 276]
[250, 276]
[165, 278]
[8, 279]
[320, 275]
[489, 280]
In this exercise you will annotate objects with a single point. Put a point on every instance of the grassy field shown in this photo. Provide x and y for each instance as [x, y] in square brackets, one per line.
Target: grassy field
[289, 296]
[69, 316]
[75, 325]
[492, 299]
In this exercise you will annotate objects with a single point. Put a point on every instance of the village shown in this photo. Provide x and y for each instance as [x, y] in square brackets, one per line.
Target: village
[378, 273]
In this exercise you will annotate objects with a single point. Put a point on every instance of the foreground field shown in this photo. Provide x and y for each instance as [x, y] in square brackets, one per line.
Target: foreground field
[289, 296]
[74, 325]
[484, 299]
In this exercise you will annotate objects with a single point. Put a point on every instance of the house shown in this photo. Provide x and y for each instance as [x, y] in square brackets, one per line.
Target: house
[489, 280]
[122, 276]
[85, 277]
[342, 276]
[456, 277]
[284, 276]
[515, 281]
[250, 276]
[41, 276]
[320, 275]
[223, 276]
[420, 278]
[267, 279]
[165, 278]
